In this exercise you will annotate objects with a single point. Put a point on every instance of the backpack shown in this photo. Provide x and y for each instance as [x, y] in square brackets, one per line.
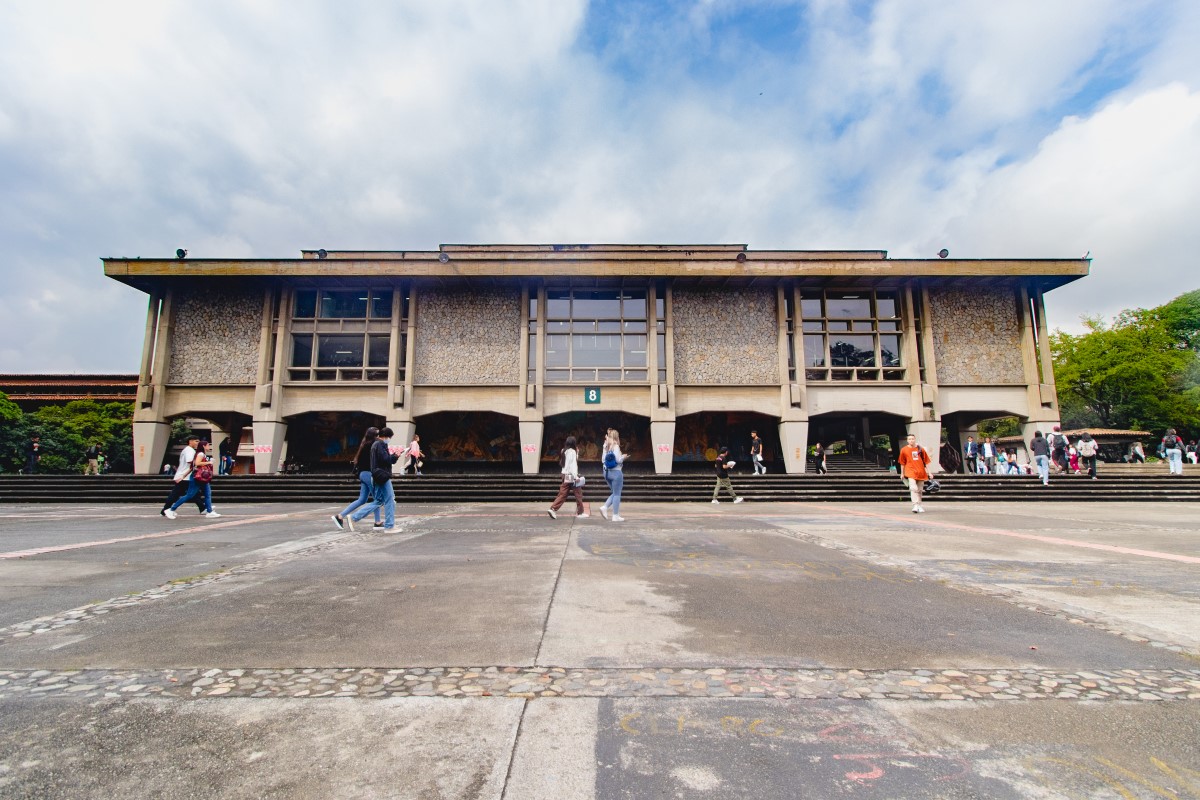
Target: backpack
[610, 460]
[1087, 449]
[1172, 442]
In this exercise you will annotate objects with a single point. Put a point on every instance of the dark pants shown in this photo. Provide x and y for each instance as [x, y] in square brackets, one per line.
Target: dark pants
[178, 491]
[1091, 465]
[562, 497]
[972, 466]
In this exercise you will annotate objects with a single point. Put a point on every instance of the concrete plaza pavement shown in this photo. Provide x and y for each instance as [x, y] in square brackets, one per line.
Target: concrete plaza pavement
[487, 651]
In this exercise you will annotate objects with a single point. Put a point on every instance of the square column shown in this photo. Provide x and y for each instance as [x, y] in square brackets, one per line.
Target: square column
[269, 452]
[150, 440]
[662, 443]
[793, 440]
[531, 446]
[929, 436]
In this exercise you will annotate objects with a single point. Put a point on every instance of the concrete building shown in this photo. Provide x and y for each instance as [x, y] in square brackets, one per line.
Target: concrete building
[494, 353]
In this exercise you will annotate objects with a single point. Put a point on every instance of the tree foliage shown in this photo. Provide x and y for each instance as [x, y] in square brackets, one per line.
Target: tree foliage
[66, 432]
[1141, 372]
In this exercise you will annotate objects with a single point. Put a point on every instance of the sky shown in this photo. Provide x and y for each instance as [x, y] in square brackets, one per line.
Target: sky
[257, 128]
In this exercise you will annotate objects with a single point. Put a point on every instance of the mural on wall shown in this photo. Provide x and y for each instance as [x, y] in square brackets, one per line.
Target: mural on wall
[326, 441]
[699, 436]
[589, 429]
[469, 436]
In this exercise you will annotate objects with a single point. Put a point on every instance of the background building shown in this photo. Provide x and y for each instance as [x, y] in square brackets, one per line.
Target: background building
[494, 353]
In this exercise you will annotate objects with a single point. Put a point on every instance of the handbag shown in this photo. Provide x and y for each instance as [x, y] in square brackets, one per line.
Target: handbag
[203, 473]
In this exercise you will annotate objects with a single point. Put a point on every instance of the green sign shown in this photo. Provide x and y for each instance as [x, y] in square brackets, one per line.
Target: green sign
[591, 394]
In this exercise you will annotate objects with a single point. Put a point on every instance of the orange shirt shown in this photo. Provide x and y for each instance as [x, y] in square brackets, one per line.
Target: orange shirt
[913, 459]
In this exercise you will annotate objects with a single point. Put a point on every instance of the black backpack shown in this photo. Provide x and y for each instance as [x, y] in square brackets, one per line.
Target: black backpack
[1172, 442]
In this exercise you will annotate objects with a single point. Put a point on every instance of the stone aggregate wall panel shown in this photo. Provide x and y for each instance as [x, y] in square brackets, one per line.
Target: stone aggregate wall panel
[468, 337]
[725, 337]
[976, 336]
[215, 336]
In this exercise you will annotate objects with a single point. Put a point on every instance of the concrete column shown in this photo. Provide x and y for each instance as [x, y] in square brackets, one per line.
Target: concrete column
[1031, 427]
[662, 442]
[269, 450]
[531, 445]
[793, 440]
[403, 431]
[150, 440]
[929, 436]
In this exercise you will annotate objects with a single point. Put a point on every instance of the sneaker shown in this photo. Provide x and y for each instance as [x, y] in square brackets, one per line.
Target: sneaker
[169, 514]
[584, 515]
[378, 526]
[604, 511]
[550, 511]
[211, 514]
[350, 524]
[738, 500]
[618, 519]
[916, 510]
[920, 509]
[337, 520]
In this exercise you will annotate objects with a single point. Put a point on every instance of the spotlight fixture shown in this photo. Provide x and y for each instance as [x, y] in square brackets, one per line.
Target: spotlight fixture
[181, 254]
[943, 253]
[741, 256]
[321, 253]
[444, 257]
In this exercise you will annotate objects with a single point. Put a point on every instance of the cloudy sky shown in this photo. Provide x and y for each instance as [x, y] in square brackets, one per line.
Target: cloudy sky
[255, 128]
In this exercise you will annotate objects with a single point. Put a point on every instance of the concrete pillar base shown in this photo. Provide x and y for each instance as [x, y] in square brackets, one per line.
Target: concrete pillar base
[662, 443]
[793, 440]
[929, 436]
[150, 440]
[531, 446]
[269, 446]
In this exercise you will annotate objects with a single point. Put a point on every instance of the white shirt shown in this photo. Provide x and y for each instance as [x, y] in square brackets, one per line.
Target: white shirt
[570, 463]
[185, 462]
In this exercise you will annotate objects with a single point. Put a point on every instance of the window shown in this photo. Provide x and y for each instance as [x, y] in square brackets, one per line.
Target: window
[344, 335]
[850, 335]
[599, 335]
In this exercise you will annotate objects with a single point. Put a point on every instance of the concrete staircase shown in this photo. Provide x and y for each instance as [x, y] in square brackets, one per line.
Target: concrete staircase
[1148, 485]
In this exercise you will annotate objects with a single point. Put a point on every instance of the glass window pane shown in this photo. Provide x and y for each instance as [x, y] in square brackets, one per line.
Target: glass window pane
[302, 344]
[852, 351]
[633, 306]
[810, 308]
[662, 351]
[558, 327]
[889, 326]
[848, 305]
[557, 376]
[583, 375]
[381, 304]
[609, 326]
[344, 304]
[635, 327]
[298, 375]
[609, 374]
[636, 375]
[816, 375]
[889, 350]
[885, 306]
[660, 306]
[558, 304]
[340, 351]
[583, 326]
[863, 325]
[377, 374]
[557, 351]
[595, 351]
[378, 352]
[306, 303]
[325, 375]
[839, 326]
[814, 351]
[532, 304]
[635, 351]
[596, 305]
[814, 326]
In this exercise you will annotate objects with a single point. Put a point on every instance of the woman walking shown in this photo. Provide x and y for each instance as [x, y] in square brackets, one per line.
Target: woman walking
[614, 476]
[569, 459]
[819, 458]
[362, 468]
[382, 494]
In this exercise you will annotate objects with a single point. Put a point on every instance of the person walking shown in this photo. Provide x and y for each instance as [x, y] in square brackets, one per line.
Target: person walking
[613, 460]
[819, 458]
[1059, 459]
[970, 454]
[1192, 453]
[1173, 446]
[722, 466]
[1137, 454]
[756, 454]
[33, 454]
[199, 482]
[989, 454]
[1088, 450]
[568, 459]
[414, 455]
[913, 460]
[1040, 447]
[94, 456]
[361, 466]
[383, 495]
[182, 474]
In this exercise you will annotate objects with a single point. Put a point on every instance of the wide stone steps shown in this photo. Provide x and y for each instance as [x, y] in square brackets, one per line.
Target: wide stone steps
[119, 490]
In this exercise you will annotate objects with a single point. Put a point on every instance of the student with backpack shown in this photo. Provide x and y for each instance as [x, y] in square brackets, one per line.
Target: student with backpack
[1040, 447]
[613, 460]
[1173, 447]
[1058, 449]
[1088, 451]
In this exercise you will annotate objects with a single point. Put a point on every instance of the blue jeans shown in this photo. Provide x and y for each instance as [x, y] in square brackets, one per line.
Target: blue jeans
[383, 496]
[1043, 465]
[615, 479]
[1175, 460]
[194, 488]
[365, 490]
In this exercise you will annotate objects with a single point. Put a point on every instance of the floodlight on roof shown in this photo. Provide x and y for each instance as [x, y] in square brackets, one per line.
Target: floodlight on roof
[444, 257]
[181, 254]
[321, 253]
[943, 253]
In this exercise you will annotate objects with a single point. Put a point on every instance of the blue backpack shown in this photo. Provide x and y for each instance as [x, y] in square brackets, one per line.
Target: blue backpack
[610, 460]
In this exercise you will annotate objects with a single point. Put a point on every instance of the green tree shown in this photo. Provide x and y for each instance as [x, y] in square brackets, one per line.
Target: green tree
[65, 432]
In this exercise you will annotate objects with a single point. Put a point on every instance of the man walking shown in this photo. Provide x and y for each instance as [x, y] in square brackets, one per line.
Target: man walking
[756, 450]
[988, 452]
[722, 466]
[971, 454]
[94, 456]
[913, 459]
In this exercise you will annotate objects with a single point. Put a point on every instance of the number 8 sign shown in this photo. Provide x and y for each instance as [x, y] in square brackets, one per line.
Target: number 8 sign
[591, 394]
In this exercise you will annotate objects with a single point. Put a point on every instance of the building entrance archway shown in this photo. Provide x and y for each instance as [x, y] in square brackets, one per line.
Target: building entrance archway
[699, 437]
[589, 429]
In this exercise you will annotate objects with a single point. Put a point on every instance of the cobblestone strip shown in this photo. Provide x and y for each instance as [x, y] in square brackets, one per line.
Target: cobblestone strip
[1074, 616]
[534, 682]
[74, 616]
